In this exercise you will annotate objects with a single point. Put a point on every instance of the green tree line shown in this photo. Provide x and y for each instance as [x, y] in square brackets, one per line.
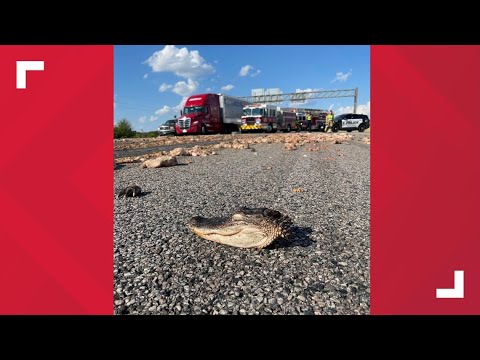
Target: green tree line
[123, 129]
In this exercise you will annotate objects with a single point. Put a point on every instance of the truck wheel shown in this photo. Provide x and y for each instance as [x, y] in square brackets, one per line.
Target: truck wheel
[270, 128]
[204, 130]
[289, 128]
[349, 130]
[361, 127]
[335, 128]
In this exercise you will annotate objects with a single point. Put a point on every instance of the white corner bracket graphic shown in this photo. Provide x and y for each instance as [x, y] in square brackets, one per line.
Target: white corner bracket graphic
[23, 67]
[457, 291]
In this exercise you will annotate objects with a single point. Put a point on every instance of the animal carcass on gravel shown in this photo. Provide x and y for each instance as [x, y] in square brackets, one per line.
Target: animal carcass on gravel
[246, 228]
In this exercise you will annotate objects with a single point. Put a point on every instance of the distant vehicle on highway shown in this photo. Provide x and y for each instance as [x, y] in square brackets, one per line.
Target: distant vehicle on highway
[351, 122]
[168, 127]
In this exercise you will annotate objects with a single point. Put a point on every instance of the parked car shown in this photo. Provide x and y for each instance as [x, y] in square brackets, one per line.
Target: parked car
[351, 122]
[168, 127]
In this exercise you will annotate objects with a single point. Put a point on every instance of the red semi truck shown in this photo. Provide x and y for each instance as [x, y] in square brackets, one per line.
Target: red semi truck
[210, 113]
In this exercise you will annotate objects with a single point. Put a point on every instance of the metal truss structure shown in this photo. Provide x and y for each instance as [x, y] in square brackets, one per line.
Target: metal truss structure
[302, 96]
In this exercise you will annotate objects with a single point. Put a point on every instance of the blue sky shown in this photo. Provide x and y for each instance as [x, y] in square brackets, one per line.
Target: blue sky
[153, 82]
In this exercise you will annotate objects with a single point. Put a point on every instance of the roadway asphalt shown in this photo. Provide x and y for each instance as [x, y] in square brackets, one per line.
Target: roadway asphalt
[161, 267]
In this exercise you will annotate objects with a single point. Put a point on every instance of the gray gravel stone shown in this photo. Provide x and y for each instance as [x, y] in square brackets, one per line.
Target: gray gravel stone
[161, 267]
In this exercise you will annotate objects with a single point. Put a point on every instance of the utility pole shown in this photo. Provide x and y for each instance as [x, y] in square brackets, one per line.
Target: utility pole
[355, 100]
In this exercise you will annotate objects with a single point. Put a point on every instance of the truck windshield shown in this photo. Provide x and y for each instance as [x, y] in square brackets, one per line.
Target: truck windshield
[193, 109]
[253, 112]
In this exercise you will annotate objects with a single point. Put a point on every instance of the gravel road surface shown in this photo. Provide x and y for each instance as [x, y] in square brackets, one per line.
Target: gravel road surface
[161, 267]
[154, 149]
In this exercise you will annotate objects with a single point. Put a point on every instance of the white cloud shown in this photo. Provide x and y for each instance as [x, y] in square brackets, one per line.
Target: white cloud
[331, 106]
[340, 76]
[227, 87]
[164, 110]
[145, 76]
[181, 104]
[256, 73]
[164, 87]
[309, 102]
[208, 89]
[361, 109]
[183, 88]
[245, 69]
[144, 119]
[182, 62]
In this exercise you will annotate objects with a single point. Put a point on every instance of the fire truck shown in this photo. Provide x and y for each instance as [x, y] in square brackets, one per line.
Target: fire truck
[269, 118]
[318, 118]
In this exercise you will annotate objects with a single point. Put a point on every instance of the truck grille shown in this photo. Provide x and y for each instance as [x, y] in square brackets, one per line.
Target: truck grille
[184, 123]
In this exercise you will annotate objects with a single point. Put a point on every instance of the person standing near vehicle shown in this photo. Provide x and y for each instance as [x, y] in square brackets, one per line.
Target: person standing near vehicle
[329, 121]
[309, 121]
[298, 122]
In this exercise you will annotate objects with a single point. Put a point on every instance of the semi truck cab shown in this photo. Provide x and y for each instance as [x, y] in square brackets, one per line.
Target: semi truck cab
[200, 115]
